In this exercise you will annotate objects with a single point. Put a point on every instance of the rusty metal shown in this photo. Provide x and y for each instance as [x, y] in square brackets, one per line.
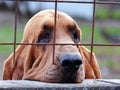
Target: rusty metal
[55, 20]
[70, 1]
[93, 25]
[61, 1]
[15, 30]
[113, 44]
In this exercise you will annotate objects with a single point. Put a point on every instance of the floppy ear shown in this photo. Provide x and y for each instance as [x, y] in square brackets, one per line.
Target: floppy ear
[14, 69]
[91, 66]
[10, 63]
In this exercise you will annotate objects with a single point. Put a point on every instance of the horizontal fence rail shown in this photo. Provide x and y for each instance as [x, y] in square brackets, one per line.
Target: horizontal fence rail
[70, 1]
[113, 44]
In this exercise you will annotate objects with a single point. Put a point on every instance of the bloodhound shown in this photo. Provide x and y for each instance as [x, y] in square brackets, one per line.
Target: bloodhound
[69, 64]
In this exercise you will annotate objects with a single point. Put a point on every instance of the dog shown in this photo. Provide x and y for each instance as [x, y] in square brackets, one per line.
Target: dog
[69, 64]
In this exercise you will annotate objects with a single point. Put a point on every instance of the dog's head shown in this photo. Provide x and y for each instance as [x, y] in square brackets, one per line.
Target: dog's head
[67, 64]
[52, 62]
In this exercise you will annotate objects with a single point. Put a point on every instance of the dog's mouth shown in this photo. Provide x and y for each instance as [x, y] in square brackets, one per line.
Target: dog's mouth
[58, 75]
[54, 74]
[69, 77]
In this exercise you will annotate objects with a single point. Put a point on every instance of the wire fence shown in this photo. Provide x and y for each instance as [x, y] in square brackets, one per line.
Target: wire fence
[91, 44]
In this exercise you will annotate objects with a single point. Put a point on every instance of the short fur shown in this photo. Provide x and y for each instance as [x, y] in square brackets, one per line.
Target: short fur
[35, 62]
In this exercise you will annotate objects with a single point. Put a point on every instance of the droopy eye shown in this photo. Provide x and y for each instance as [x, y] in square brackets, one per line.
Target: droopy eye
[75, 36]
[74, 32]
[45, 36]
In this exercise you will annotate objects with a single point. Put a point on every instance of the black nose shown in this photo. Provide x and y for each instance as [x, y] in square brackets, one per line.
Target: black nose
[70, 61]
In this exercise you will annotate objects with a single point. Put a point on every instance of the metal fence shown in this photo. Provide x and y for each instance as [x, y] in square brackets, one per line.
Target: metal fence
[91, 44]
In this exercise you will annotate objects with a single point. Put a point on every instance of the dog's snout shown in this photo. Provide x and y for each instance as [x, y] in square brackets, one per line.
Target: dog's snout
[71, 64]
[70, 61]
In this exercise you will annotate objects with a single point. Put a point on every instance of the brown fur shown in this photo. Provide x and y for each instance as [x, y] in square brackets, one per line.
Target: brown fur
[35, 62]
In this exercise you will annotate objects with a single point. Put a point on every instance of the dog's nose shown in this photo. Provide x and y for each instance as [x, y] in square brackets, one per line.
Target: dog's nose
[70, 61]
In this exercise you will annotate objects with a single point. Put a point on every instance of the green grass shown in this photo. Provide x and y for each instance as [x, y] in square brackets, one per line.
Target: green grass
[109, 64]
[116, 14]
[113, 31]
[98, 38]
[103, 13]
[87, 34]
[107, 50]
[106, 55]
[7, 36]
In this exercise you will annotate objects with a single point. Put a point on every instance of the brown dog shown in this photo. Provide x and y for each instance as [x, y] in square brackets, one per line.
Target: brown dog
[71, 63]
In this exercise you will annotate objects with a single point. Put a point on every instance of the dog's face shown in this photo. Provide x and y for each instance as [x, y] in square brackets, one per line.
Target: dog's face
[66, 65]
[56, 61]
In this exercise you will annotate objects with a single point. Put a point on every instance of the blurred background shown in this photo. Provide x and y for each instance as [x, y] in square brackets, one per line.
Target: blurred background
[107, 28]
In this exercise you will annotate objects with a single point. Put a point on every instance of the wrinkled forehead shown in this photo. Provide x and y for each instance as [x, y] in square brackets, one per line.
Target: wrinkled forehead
[48, 17]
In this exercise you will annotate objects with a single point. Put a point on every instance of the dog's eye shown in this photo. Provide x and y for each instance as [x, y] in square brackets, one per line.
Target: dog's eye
[75, 36]
[44, 37]
[74, 33]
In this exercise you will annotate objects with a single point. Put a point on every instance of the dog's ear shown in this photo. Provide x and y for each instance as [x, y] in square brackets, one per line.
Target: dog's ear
[14, 68]
[10, 63]
[90, 63]
[15, 65]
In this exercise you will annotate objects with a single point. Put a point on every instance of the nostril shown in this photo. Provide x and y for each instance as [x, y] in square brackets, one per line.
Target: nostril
[70, 61]
[66, 63]
[73, 65]
[77, 62]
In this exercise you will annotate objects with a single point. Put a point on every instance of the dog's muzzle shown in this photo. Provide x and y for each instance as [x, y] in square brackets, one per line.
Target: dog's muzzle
[70, 62]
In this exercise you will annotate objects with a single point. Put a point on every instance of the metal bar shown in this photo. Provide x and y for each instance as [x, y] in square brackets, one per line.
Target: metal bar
[86, 2]
[55, 20]
[113, 44]
[105, 2]
[15, 29]
[92, 38]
